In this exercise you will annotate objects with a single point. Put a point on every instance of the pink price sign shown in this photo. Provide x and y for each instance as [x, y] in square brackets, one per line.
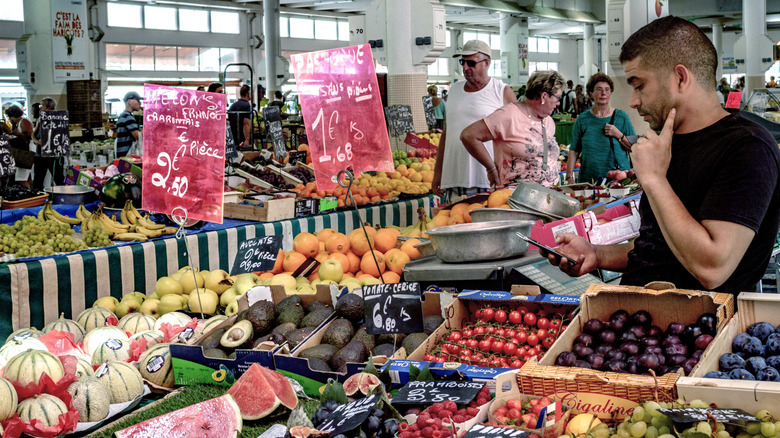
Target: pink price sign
[342, 111]
[184, 152]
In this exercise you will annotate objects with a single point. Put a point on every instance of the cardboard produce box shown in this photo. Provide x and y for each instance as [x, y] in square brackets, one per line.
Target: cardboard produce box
[457, 314]
[749, 395]
[608, 393]
[261, 211]
[191, 366]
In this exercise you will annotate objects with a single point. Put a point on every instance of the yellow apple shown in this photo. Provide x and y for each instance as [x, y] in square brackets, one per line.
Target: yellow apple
[106, 303]
[219, 281]
[127, 306]
[203, 300]
[167, 286]
[138, 295]
[191, 280]
[228, 296]
[170, 303]
[149, 307]
[332, 270]
[286, 280]
[305, 289]
[244, 282]
[370, 280]
[232, 308]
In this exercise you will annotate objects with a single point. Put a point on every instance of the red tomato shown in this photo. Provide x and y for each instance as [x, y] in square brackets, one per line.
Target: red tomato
[429, 358]
[472, 343]
[517, 364]
[467, 333]
[490, 330]
[522, 337]
[497, 347]
[555, 323]
[454, 336]
[542, 333]
[500, 316]
[487, 314]
[543, 323]
[530, 319]
[533, 339]
[522, 309]
[479, 330]
[485, 344]
[501, 332]
[510, 333]
[510, 349]
[454, 349]
[515, 317]
[478, 314]
[548, 341]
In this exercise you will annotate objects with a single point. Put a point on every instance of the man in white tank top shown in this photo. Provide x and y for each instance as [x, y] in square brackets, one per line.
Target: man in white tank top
[458, 173]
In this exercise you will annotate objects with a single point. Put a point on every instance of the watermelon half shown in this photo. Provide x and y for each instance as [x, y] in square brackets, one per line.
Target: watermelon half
[259, 391]
[215, 418]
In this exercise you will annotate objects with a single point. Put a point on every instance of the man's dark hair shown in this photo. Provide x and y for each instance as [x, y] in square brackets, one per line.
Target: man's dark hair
[278, 94]
[569, 83]
[214, 86]
[595, 79]
[14, 111]
[670, 41]
[244, 91]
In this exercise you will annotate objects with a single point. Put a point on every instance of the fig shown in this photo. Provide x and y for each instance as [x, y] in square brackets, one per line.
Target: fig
[673, 349]
[677, 359]
[655, 349]
[641, 318]
[619, 355]
[616, 365]
[647, 341]
[638, 331]
[655, 331]
[603, 349]
[671, 339]
[689, 364]
[647, 361]
[617, 324]
[595, 360]
[627, 336]
[582, 351]
[619, 314]
[582, 364]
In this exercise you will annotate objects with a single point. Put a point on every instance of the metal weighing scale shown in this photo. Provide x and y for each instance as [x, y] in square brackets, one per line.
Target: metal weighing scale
[531, 268]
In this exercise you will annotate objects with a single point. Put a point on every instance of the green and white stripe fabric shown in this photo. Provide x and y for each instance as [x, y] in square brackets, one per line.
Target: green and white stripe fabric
[34, 293]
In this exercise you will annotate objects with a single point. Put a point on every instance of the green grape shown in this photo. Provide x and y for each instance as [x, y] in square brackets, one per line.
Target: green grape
[720, 427]
[699, 404]
[666, 435]
[658, 421]
[722, 434]
[601, 433]
[753, 428]
[768, 429]
[652, 432]
[664, 431]
[638, 429]
[704, 427]
[638, 414]
[624, 433]
[652, 408]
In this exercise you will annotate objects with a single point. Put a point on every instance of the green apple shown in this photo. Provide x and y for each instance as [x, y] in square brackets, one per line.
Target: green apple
[219, 281]
[149, 307]
[127, 306]
[167, 286]
[106, 303]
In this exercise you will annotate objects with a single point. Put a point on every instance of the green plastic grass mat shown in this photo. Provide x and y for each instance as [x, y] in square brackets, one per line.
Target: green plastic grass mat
[198, 393]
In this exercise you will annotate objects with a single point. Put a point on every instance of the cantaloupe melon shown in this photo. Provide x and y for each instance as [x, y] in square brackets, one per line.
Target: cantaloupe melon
[29, 366]
[8, 400]
[84, 368]
[173, 318]
[112, 349]
[16, 346]
[96, 337]
[155, 366]
[24, 333]
[123, 380]
[153, 337]
[66, 325]
[136, 322]
[44, 407]
[91, 398]
[94, 317]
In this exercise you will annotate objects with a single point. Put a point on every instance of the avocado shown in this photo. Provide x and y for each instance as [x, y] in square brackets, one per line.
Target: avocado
[314, 305]
[319, 365]
[354, 352]
[239, 335]
[215, 353]
[211, 340]
[391, 339]
[322, 352]
[338, 333]
[297, 336]
[284, 329]
[262, 315]
[413, 341]
[368, 340]
[232, 356]
[291, 301]
[317, 317]
[276, 338]
[383, 350]
[350, 306]
[289, 310]
[431, 323]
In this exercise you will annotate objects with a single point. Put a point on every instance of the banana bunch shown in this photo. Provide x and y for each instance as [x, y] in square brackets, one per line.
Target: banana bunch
[82, 213]
[48, 213]
[140, 224]
[420, 228]
[114, 229]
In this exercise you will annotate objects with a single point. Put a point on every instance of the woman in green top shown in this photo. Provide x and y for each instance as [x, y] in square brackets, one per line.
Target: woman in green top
[598, 137]
[439, 106]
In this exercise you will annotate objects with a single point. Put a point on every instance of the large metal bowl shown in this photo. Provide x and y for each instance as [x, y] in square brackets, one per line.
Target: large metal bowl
[506, 214]
[480, 241]
[536, 197]
[71, 194]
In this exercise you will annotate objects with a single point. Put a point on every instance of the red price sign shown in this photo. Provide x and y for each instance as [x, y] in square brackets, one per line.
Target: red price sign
[342, 110]
[734, 99]
[184, 152]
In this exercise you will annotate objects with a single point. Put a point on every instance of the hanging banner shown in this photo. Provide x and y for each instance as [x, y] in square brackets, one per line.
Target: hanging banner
[184, 152]
[342, 110]
[69, 41]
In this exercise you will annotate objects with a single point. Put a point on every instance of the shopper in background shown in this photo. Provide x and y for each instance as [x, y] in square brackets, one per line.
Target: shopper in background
[42, 164]
[277, 100]
[240, 117]
[583, 101]
[127, 130]
[771, 83]
[439, 107]
[215, 87]
[200, 88]
[598, 137]
[523, 136]
[710, 210]
[457, 173]
[569, 100]
[20, 138]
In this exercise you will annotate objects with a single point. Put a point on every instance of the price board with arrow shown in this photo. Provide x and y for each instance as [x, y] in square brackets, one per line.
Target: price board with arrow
[483, 431]
[393, 308]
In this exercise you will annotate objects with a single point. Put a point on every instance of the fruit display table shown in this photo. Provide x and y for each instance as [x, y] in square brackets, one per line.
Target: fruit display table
[39, 290]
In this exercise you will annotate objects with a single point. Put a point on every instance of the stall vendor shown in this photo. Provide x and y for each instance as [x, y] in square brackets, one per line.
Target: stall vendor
[711, 205]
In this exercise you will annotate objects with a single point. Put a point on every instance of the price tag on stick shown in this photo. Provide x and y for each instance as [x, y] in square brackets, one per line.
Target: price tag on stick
[257, 254]
[393, 308]
[273, 124]
[690, 415]
[427, 392]
[349, 416]
[430, 116]
[483, 431]
[7, 163]
[184, 151]
[230, 144]
[297, 156]
[342, 108]
[55, 139]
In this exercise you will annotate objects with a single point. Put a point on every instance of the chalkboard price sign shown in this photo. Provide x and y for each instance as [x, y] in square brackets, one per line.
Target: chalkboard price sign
[257, 254]
[230, 144]
[7, 163]
[297, 156]
[483, 431]
[273, 124]
[393, 308]
[55, 140]
[399, 118]
[430, 117]
[349, 416]
[427, 392]
[690, 415]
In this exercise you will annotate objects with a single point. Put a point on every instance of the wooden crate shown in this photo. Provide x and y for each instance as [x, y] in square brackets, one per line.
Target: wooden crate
[586, 389]
[25, 203]
[751, 396]
[261, 211]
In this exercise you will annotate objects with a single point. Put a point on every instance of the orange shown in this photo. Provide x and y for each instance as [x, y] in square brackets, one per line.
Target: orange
[354, 262]
[321, 257]
[443, 213]
[266, 275]
[324, 234]
[467, 213]
[345, 265]
[314, 276]
[292, 260]
[396, 232]
[385, 240]
[361, 276]
[368, 264]
[395, 259]
[410, 250]
[391, 277]
[498, 198]
[369, 229]
[347, 275]
[458, 209]
[456, 219]
[306, 244]
[359, 244]
[279, 264]
[337, 242]
[441, 220]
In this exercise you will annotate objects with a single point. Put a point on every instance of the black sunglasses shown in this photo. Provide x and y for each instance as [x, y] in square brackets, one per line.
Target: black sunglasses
[470, 63]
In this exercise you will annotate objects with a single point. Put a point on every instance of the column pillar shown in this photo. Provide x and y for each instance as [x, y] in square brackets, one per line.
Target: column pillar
[513, 32]
[754, 28]
[717, 41]
[272, 45]
[456, 41]
[588, 68]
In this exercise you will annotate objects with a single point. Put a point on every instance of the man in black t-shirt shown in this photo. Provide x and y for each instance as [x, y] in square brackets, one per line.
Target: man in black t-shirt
[711, 204]
[240, 117]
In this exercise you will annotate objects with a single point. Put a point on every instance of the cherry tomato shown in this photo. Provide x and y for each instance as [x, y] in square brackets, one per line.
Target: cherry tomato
[472, 343]
[530, 319]
[517, 364]
[533, 339]
[510, 333]
[467, 333]
[485, 344]
[495, 362]
[510, 349]
[490, 330]
[454, 336]
[453, 349]
[541, 313]
[541, 333]
[522, 337]
[543, 323]
[500, 316]
[501, 332]
[440, 360]
[487, 314]
[497, 347]
[478, 314]
[479, 330]
[522, 309]
[555, 323]
[429, 357]
[548, 341]
[515, 317]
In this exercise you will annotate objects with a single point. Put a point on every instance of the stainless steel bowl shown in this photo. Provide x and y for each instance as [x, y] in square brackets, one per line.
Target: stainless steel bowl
[480, 241]
[537, 197]
[71, 194]
[506, 214]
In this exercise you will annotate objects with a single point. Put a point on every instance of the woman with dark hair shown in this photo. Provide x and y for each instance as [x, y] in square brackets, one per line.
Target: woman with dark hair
[523, 135]
[598, 137]
[215, 87]
[19, 137]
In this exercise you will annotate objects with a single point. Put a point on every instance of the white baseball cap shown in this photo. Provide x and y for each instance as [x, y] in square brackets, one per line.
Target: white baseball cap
[472, 47]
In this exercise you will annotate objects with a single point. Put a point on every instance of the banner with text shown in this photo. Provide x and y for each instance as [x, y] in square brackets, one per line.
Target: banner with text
[184, 152]
[342, 109]
[69, 41]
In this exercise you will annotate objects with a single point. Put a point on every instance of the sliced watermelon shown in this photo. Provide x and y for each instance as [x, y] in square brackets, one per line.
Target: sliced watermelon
[259, 391]
[218, 418]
